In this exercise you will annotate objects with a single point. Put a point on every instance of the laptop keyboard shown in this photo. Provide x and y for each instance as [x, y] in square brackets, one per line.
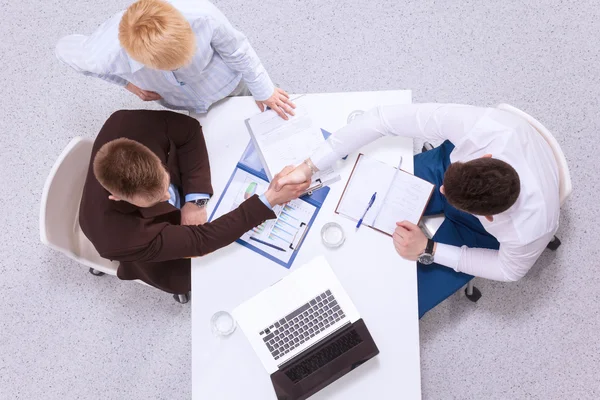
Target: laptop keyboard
[302, 324]
[325, 355]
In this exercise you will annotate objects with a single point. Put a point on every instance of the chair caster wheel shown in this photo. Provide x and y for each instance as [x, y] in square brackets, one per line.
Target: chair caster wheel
[554, 244]
[96, 272]
[475, 296]
[181, 298]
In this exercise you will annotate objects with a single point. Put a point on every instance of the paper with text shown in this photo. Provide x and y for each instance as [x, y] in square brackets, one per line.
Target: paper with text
[400, 195]
[281, 143]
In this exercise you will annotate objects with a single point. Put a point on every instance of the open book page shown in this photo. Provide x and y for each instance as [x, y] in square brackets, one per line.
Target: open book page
[282, 142]
[406, 200]
[369, 176]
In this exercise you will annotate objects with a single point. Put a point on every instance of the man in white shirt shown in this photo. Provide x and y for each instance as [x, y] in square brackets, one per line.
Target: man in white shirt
[493, 165]
[184, 54]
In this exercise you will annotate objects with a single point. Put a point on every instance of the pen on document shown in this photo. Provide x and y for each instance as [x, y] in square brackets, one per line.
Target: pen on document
[400, 163]
[266, 244]
[360, 221]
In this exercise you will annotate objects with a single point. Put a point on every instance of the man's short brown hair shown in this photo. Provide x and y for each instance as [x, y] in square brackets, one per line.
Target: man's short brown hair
[484, 186]
[126, 168]
[156, 34]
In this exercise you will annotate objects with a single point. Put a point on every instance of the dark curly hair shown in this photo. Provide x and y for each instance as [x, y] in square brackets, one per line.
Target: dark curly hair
[484, 186]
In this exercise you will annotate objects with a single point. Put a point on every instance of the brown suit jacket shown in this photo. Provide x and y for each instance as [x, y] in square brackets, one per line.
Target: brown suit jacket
[150, 243]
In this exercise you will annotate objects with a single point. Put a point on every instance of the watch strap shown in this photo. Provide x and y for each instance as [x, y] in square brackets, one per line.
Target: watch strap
[429, 248]
[200, 202]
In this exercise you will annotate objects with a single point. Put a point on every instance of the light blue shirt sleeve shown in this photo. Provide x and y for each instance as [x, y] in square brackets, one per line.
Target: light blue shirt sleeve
[263, 198]
[94, 55]
[236, 51]
[196, 196]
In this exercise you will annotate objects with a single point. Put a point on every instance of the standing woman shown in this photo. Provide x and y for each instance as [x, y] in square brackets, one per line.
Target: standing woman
[184, 54]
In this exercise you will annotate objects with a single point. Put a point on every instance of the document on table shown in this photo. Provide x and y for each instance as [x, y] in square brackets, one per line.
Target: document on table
[278, 238]
[281, 143]
[400, 195]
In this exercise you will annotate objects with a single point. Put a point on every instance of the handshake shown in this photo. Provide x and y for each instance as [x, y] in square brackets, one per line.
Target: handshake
[289, 184]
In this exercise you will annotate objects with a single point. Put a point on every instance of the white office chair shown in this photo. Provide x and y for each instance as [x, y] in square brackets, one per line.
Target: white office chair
[59, 211]
[565, 186]
[431, 224]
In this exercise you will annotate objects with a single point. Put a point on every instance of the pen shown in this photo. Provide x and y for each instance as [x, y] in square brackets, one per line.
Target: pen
[266, 244]
[367, 210]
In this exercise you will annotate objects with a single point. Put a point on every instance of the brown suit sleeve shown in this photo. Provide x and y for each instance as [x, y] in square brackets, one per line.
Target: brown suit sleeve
[181, 241]
[194, 165]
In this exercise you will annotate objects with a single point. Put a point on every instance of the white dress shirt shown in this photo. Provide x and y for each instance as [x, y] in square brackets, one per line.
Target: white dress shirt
[223, 58]
[525, 229]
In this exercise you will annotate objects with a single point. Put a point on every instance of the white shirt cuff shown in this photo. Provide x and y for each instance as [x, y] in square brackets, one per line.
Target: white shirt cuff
[324, 157]
[448, 256]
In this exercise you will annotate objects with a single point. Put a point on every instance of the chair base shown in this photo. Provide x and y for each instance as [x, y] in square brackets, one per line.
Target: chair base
[181, 298]
[96, 272]
[474, 296]
[554, 244]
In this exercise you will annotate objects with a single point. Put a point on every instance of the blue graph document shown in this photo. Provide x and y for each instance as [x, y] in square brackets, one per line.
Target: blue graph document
[277, 239]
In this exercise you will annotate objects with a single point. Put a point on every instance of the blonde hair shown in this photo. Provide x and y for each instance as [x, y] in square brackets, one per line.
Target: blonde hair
[156, 34]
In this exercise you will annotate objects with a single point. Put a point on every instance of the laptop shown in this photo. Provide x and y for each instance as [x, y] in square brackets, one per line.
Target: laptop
[306, 331]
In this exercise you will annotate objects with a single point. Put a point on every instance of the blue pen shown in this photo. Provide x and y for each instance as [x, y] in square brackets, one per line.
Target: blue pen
[367, 210]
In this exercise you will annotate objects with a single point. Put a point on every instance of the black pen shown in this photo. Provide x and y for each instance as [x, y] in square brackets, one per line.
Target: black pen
[266, 244]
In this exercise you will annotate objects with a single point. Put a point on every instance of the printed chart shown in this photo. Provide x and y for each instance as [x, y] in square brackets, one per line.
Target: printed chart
[278, 237]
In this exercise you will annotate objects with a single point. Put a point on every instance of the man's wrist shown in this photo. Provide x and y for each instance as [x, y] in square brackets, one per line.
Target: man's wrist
[266, 201]
[270, 197]
[427, 254]
[308, 167]
[201, 203]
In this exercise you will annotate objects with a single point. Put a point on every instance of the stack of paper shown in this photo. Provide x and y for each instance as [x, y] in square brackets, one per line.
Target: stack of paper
[281, 143]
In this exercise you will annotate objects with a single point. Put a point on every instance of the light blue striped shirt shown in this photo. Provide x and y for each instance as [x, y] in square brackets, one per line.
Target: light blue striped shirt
[175, 199]
[223, 58]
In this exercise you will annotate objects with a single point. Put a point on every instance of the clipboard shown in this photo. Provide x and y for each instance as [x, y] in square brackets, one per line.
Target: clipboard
[316, 200]
[384, 196]
[321, 178]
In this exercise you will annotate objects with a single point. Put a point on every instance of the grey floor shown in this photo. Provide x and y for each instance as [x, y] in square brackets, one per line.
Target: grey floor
[65, 334]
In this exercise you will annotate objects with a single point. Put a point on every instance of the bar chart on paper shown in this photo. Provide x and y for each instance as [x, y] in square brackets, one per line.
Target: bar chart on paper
[278, 238]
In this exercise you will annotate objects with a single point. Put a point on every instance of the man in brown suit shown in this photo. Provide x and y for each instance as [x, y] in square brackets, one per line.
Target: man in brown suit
[143, 165]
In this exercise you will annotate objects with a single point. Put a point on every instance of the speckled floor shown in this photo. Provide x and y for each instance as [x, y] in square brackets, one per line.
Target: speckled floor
[65, 334]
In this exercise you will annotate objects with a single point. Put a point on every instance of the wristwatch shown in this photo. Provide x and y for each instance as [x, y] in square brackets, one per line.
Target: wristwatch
[426, 257]
[200, 202]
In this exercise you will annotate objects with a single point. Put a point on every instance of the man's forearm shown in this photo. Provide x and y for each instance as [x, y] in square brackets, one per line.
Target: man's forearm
[435, 122]
[185, 241]
[362, 131]
[483, 263]
[400, 120]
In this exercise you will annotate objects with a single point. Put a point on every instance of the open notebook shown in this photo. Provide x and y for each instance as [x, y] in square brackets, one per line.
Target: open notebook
[400, 195]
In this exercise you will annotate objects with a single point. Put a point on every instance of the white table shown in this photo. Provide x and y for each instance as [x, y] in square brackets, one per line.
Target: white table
[382, 285]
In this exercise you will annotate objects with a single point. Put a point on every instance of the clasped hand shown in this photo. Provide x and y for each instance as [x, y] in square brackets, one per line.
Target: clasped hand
[278, 194]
